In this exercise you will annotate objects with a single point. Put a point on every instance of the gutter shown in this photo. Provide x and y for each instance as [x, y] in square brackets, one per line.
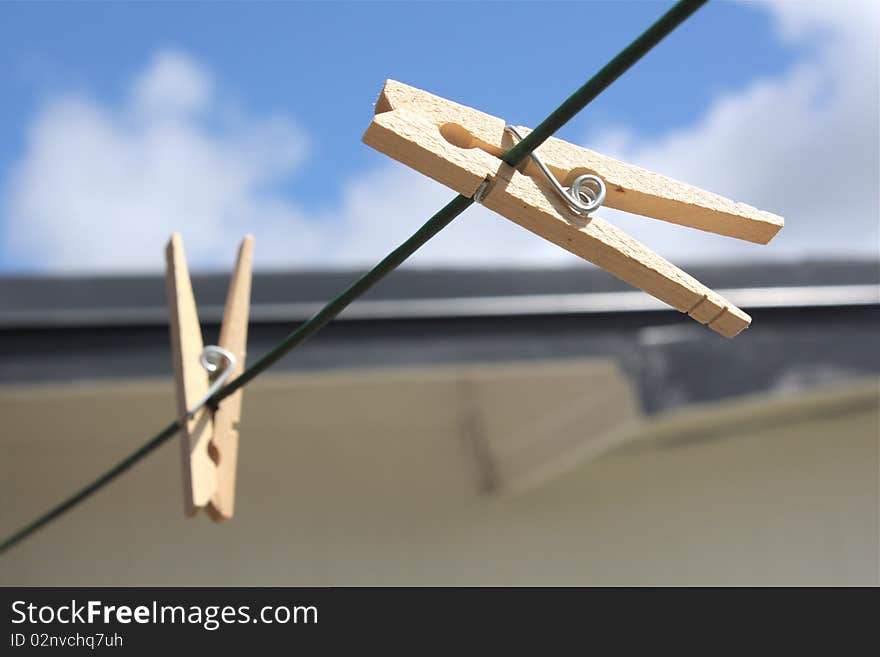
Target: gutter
[793, 297]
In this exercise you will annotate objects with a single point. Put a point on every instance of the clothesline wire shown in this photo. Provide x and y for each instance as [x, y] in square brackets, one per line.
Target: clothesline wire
[514, 157]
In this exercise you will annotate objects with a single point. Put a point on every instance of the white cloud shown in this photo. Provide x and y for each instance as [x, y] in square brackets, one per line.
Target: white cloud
[173, 84]
[803, 145]
[100, 187]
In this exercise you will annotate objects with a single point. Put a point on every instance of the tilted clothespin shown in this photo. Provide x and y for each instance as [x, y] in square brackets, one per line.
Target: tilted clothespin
[461, 148]
[209, 437]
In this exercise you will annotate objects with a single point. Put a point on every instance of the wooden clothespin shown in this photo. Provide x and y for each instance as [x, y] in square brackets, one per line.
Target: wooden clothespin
[209, 437]
[461, 148]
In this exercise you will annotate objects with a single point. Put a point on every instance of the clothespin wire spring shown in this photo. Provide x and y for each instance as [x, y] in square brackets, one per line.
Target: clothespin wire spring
[587, 192]
[220, 363]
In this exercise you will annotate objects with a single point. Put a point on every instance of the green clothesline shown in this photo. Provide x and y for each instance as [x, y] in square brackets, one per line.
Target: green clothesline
[514, 157]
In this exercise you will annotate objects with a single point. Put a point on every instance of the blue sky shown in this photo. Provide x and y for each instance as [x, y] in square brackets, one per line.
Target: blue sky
[295, 83]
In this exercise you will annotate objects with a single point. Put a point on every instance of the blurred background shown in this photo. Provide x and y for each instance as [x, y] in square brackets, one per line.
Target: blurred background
[497, 411]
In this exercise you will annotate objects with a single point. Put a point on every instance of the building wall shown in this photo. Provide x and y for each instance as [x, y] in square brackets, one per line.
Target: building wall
[380, 477]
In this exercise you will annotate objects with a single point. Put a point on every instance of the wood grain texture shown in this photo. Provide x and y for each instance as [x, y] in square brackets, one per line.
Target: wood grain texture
[233, 337]
[629, 188]
[406, 135]
[191, 382]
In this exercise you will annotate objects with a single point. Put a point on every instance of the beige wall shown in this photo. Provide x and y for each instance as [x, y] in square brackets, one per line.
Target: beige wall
[379, 478]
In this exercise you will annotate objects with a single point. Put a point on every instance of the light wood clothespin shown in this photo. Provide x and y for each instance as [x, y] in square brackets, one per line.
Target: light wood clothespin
[209, 437]
[461, 148]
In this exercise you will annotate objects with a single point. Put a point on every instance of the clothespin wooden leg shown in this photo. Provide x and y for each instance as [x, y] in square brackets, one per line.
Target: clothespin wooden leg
[233, 337]
[191, 381]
